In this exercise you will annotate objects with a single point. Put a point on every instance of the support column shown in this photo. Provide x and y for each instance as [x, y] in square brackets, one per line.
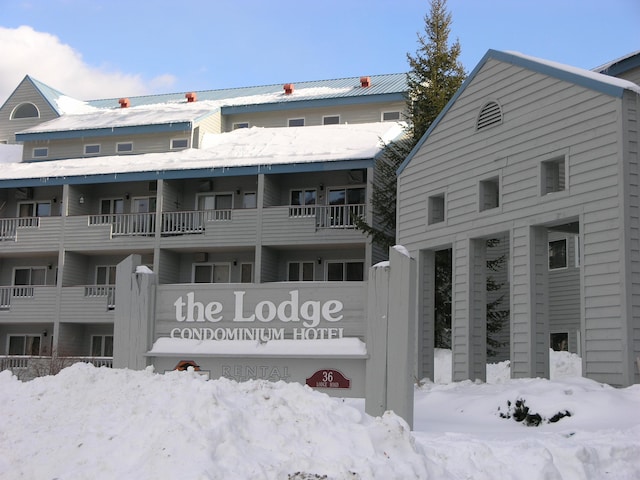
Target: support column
[529, 303]
[468, 310]
[425, 338]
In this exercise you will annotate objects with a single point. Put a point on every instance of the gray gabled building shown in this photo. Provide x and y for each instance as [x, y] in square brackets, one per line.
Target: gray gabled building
[544, 156]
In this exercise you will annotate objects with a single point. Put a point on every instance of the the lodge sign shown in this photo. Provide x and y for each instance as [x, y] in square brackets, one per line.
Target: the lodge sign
[296, 317]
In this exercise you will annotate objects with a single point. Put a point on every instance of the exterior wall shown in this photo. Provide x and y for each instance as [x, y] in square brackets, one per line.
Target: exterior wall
[25, 92]
[543, 118]
[74, 147]
[365, 113]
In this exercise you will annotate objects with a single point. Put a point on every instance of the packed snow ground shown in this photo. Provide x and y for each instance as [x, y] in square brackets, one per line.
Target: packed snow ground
[104, 423]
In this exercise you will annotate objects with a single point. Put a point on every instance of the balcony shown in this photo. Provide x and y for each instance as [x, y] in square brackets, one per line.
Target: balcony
[88, 303]
[27, 302]
[29, 367]
[127, 224]
[191, 222]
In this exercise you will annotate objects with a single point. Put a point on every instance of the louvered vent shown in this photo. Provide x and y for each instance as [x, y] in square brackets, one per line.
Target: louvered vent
[491, 114]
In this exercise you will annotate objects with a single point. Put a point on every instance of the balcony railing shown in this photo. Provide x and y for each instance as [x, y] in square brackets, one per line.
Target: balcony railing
[9, 226]
[27, 367]
[107, 291]
[329, 216]
[126, 223]
[7, 293]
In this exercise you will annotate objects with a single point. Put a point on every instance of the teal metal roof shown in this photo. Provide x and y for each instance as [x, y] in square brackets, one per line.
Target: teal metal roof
[338, 88]
[604, 84]
[621, 65]
[50, 94]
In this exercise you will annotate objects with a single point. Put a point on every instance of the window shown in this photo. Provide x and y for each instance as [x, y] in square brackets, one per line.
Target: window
[106, 275]
[552, 176]
[558, 254]
[343, 206]
[24, 345]
[296, 122]
[144, 205]
[249, 200]
[390, 116]
[435, 209]
[211, 273]
[93, 149]
[25, 110]
[331, 120]
[40, 152]
[218, 201]
[301, 271]
[240, 125]
[559, 341]
[34, 209]
[305, 199]
[489, 194]
[246, 272]
[30, 276]
[179, 143]
[124, 147]
[102, 345]
[111, 206]
[345, 271]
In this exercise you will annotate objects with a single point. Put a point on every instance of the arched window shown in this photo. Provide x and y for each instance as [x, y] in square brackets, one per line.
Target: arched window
[490, 114]
[25, 110]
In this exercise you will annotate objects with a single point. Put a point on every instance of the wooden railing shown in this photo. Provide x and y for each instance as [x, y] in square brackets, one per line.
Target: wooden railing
[127, 224]
[7, 293]
[108, 291]
[179, 223]
[329, 216]
[9, 226]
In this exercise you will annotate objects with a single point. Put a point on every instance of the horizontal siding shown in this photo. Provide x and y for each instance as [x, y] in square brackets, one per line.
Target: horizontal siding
[313, 116]
[76, 308]
[32, 309]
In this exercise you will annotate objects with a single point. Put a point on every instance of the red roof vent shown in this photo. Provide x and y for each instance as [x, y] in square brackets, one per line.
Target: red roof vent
[124, 103]
[365, 82]
[288, 88]
[191, 97]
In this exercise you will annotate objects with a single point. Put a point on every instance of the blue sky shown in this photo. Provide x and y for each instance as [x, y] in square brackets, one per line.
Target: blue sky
[108, 48]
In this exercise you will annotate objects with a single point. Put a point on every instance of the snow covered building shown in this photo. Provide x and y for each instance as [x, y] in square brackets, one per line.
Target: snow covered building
[209, 187]
[544, 156]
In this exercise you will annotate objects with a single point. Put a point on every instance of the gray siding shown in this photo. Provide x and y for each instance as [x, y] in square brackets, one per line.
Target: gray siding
[313, 116]
[25, 92]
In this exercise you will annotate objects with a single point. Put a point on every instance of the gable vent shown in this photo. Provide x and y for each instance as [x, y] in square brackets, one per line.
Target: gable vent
[490, 114]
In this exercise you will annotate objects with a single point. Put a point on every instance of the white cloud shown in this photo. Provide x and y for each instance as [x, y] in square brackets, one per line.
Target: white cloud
[44, 57]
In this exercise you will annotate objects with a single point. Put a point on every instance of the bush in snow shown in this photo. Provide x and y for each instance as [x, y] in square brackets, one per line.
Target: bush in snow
[521, 413]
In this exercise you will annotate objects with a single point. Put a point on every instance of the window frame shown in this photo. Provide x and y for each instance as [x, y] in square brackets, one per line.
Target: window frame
[17, 107]
[566, 254]
[119, 144]
[483, 183]
[344, 264]
[239, 125]
[383, 119]
[35, 204]
[431, 218]
[544, 174]
[242, 266]
[24, 350]
[103, 344]
[43, 149]
[215, 201]
[294, 120]
[92, 145]
[173, 141]
[31, 269]
[109, 274]
[194, 265]
[325, 117]
[301, 265]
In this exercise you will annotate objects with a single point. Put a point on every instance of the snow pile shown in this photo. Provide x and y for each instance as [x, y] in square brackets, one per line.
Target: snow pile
[108, 423]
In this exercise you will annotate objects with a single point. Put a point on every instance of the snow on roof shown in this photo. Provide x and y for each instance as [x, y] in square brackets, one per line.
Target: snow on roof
[80, 115]
[598, 77]
[239, 148]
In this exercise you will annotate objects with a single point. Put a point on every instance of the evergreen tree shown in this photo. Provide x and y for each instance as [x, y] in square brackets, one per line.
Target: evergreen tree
[436, 74]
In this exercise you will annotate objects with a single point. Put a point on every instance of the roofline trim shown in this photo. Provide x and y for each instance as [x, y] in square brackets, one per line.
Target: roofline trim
[189, 173]
[104, 132]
